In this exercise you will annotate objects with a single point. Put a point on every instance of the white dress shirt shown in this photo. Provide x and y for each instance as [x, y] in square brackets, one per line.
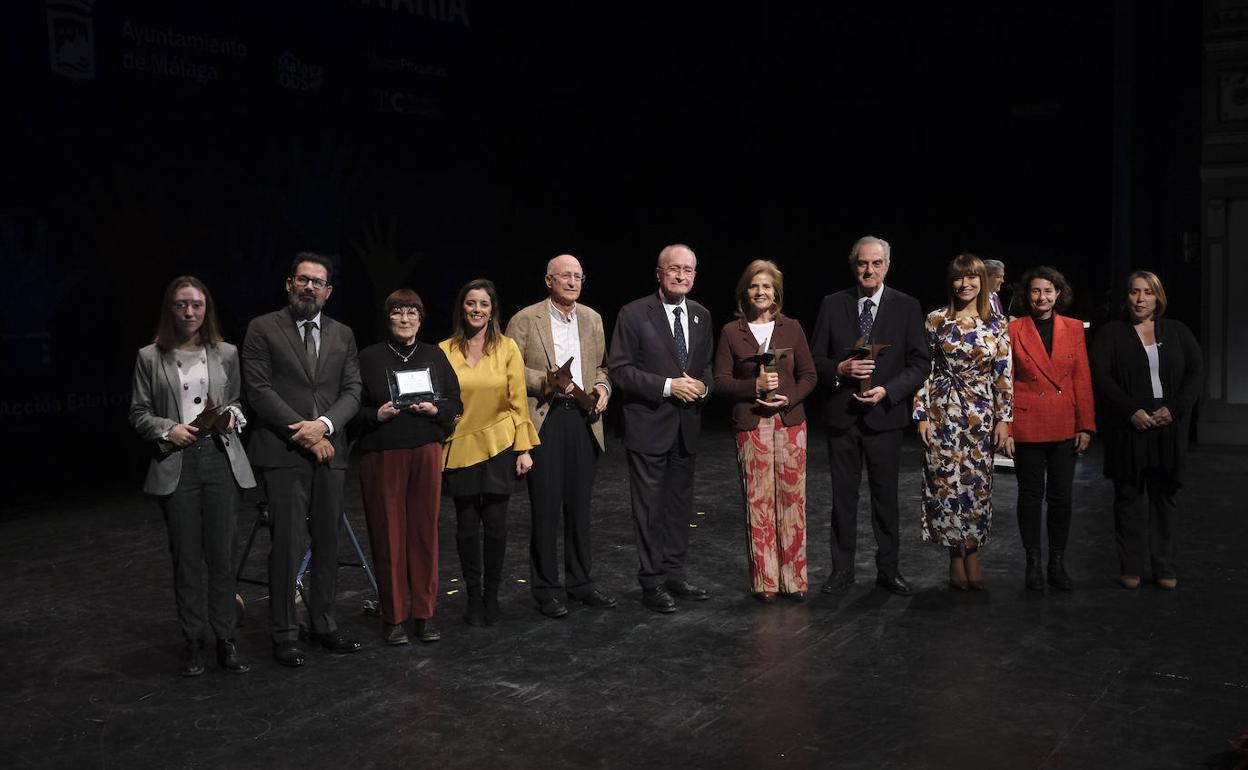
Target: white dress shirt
[875, 303]
[316, 341]
[566, 332]
[671, 325]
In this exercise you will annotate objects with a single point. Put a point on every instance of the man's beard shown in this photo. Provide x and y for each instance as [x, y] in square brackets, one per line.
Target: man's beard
[305, 307]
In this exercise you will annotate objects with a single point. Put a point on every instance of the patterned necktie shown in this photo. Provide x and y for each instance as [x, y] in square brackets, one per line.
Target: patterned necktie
[309, 345]
[682, 349]
[865, 320]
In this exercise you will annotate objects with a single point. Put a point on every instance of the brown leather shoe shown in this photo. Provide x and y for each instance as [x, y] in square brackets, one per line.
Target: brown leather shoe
[1129, 581]
[1168, 583]
[766, 597]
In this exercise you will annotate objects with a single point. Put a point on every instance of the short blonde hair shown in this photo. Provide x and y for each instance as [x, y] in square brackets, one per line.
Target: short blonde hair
[1154, 283]
[753, 269]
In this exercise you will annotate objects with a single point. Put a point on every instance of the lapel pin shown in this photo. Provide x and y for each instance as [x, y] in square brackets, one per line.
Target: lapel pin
[696, 319]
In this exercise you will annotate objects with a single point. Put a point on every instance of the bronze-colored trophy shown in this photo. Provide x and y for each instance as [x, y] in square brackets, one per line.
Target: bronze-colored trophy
[559, 379]
[866, 351]
[767, 359]
[213, 420]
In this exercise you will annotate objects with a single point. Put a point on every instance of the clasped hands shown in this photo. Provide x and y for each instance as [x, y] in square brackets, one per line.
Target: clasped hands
[310, 434]
[686, 388]
[1142, 420]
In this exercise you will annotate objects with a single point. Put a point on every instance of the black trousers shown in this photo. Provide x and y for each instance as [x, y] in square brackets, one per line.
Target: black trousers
[201, 517]
[849, 450]
[662, 500]
[304, 500]
[561, 485]
[1145, 514]
[472, 514]
[1046, 473]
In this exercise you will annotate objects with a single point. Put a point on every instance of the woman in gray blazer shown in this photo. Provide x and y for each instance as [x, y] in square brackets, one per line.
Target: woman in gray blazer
[196, 470]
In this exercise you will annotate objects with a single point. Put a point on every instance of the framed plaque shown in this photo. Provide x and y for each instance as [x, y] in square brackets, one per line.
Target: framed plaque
[411, 386]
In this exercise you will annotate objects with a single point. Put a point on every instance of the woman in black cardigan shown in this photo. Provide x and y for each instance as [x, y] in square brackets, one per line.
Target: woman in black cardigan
[1147, 373]
[401, 468]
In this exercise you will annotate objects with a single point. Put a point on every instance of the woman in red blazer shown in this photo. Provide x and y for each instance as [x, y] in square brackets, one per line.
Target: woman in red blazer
[1053, 417]
[770, 425]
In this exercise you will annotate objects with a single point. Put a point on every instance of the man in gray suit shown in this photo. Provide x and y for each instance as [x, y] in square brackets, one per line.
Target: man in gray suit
[301, 378]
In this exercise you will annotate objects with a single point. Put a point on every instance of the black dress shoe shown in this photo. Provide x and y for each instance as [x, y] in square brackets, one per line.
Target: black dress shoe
[394, 635]
[193, 658]
[658, 599]
[289, 653]
[839, 580]
[426, 631]
[227, 657]
[686, 590]
[335, 642]
[598, 599]
[894, 584]
[553, 607]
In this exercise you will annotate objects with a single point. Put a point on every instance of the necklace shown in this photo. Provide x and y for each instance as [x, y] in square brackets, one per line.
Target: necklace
[400, 355]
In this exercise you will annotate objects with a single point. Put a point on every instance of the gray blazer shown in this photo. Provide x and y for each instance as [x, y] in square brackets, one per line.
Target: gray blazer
[281, 390]
[156, 406]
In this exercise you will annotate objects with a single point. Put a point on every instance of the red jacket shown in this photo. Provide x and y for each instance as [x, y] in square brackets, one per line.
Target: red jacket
[1052, 393]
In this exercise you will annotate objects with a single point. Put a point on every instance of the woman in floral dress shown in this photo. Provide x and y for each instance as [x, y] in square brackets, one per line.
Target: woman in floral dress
[962, 411]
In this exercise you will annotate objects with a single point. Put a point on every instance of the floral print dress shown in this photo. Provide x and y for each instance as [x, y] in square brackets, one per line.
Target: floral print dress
[968, 392]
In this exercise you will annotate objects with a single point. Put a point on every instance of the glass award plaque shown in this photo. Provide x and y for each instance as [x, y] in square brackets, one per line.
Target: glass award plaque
[411, 386]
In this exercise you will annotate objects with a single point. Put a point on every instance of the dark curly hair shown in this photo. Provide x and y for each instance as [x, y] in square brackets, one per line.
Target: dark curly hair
[1054, 276]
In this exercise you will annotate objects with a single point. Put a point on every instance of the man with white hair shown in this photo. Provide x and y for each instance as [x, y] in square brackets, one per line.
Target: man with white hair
[661, 367]
[561, 483]
[868, 405]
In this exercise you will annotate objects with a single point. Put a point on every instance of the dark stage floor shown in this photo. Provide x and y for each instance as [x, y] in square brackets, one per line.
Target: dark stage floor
[1097, 678]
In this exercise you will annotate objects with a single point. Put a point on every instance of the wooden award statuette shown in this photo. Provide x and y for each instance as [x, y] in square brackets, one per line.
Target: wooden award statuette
[767, 358]
[867, 352]
[214, 419]
[559, 379]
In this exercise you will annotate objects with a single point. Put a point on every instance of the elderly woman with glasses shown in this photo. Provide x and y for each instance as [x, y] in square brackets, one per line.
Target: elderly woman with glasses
[408, 407]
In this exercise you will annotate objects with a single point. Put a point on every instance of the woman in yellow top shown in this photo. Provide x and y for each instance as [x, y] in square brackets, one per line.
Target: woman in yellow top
[490, 446]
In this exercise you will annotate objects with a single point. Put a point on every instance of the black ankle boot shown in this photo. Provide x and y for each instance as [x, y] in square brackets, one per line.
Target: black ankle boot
[492, 611]
[1035, 575]
[474, 614]
[193, 658]
[1057, 571]
[228, 657]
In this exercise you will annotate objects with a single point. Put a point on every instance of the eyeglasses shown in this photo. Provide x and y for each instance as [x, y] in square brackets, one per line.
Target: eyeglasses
[307, 280]
[405, 312]
[674, 270]
[569, 276]
[182, 304]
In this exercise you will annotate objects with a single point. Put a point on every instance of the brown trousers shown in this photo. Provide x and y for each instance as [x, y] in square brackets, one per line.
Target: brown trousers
[402, 490]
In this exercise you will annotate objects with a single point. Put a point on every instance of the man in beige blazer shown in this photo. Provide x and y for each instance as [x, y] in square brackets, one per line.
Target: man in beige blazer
[562, 480]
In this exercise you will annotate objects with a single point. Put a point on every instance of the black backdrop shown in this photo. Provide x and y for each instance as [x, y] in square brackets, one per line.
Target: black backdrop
[427, 143]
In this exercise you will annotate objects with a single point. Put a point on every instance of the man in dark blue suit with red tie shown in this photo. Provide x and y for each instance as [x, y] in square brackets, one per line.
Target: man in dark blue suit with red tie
[660, 367]
[865, 424]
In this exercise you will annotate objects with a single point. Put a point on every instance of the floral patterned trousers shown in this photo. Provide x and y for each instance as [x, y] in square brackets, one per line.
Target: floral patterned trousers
[772, 462]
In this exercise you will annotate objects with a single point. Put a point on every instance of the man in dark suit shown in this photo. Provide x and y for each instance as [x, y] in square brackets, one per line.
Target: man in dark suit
[561, 483]
[658, 341]
[301, 377]
[867, 426]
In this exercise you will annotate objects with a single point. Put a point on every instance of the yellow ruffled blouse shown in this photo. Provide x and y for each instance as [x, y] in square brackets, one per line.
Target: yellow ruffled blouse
[496, 409]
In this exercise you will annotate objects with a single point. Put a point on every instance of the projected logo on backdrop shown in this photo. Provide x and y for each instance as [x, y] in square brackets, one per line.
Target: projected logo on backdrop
[297, 75]
[71, 38]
